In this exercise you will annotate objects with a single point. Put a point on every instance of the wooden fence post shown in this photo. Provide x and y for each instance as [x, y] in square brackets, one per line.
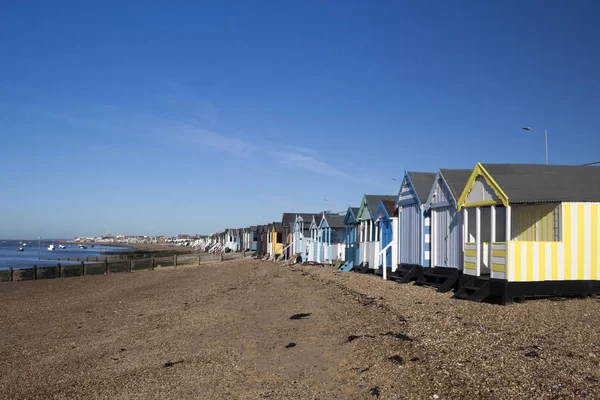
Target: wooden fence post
[198, 259]
[11, 274]
[130, 264]
[34, 272]
[175, 260]
[59, 270]
[106, 266]
[152, 265]
[82, 268]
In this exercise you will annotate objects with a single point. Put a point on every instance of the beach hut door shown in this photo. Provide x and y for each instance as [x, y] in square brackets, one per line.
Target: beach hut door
[386, 238]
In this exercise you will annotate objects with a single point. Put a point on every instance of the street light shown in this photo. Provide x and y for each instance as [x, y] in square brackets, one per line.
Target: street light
[528, 128]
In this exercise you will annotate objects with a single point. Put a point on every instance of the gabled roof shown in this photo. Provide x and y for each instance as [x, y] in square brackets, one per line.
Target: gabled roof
[456, 179]
[421, 183]
[536, 183]
[372, 202]
[334, 221]
[288, 219]
[351, 212]
[388, 207]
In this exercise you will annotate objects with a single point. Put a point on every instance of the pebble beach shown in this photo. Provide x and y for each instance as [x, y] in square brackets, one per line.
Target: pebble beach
[250, 329]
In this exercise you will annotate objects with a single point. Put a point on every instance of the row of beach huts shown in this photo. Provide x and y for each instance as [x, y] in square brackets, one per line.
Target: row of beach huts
[498, 232]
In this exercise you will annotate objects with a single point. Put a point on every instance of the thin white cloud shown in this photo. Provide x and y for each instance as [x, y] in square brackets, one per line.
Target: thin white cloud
[218, 141]
[290, 156]
[308, 163]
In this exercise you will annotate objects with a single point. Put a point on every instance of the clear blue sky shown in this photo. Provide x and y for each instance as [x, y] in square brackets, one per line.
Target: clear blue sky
[147, 118]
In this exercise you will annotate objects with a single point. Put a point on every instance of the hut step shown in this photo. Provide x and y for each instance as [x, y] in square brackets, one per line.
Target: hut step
[444, 279]
[347, 267]
[474, 291]
[404, 274]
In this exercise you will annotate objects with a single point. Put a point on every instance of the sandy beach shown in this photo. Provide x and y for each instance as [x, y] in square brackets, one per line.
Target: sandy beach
[223, 331]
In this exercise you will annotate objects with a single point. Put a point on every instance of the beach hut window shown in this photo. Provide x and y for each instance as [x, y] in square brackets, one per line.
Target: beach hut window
[537, 222]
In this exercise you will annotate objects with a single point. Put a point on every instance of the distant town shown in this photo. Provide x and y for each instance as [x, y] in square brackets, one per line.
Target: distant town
[178, 240]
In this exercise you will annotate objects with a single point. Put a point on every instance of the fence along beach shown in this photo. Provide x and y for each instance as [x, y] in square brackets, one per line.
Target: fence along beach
[126, 262]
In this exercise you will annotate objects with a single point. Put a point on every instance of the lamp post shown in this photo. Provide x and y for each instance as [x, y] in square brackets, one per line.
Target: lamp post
[528, 128]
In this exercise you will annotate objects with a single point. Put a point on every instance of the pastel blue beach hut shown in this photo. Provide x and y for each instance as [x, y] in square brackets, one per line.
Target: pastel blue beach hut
[252, 237]
[387, 224]
[368, 231]
[301, 234]
[331, 237]
[351, 236]
[414, 232]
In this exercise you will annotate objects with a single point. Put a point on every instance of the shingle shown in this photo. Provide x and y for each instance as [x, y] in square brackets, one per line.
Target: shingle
[335, 220]
[390, 207]
[533, 183]
[456, 179]
[422, 183]
[373, 200]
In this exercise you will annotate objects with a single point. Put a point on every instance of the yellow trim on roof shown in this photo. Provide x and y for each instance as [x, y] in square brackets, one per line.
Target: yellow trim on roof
[480, 171]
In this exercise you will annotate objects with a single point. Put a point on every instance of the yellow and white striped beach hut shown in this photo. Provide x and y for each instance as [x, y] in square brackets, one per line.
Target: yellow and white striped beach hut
[530, 230]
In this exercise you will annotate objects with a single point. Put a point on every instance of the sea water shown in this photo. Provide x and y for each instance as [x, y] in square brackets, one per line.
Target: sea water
[34, 254]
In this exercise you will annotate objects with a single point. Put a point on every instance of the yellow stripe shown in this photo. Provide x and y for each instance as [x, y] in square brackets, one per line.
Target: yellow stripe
[567, 239]
[549, 226]
[581, 234]
[498, 267]
[554, 260]
[470, 253]
[542, 260]
[499, 253]
[594, 242]
[517, 276]
[470, 265]
[529, 259]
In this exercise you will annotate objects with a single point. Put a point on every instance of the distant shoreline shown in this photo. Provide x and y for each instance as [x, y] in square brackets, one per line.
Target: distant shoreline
[141, 247]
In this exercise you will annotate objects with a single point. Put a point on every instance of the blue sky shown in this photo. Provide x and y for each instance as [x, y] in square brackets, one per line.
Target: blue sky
[173, 117]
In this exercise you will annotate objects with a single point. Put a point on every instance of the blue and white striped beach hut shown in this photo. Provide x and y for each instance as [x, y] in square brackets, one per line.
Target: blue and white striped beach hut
[414, 241]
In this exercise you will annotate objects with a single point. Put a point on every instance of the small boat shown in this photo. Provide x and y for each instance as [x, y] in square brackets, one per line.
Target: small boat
[20, 249]
[51, 247]
[62, 246]
[82, 246]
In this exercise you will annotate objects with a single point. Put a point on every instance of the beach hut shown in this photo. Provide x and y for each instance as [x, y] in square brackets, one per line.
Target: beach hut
[414, 229]
[313, 246]
[262, 244]
[386, 222]
[330, 237]
[351, 236]
[287, 227]
[368, 230]
[275, 240]
[301, 235]
[446, 229]
[252, 238]
[531, 230]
